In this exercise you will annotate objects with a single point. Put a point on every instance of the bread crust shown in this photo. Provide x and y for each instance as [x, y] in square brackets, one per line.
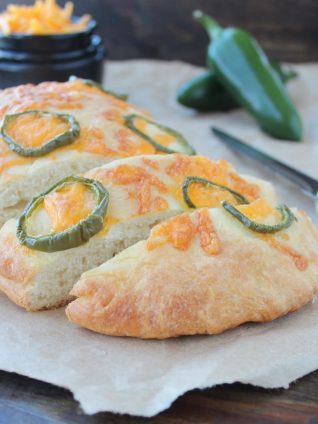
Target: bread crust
[168, 292]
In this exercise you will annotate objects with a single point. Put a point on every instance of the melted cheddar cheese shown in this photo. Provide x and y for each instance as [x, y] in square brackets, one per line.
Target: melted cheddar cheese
[219, 172]
[257, 210]
[140, 186]
[154, 132]
[260, 210]
[100, 116]
[208, 197]
[35, 130]
[181, 230]
[68, 206]
[153, 185]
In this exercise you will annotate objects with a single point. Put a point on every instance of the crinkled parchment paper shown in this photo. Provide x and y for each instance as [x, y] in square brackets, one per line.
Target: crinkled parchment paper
[144, 377]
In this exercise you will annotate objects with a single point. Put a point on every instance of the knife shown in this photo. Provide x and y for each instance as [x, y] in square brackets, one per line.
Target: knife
[306, 183]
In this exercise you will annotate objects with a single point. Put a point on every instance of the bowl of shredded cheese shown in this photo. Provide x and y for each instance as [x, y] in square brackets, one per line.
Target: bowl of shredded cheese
[46, 41]
[43, 18]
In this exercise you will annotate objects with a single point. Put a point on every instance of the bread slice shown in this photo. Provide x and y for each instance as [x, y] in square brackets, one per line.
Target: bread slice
[143, 191]
[200, 273]
[103, 138]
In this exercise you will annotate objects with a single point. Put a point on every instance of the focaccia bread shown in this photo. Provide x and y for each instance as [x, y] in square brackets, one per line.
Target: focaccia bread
[201, 273]
[142, 191]
[100, 133]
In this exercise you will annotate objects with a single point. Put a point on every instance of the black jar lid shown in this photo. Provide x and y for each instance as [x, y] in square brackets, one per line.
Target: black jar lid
[49, 56]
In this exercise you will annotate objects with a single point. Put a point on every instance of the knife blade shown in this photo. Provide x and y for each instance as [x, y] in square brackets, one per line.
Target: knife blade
[306, 183]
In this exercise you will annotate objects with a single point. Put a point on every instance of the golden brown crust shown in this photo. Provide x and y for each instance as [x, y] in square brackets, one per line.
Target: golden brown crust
[168, 292]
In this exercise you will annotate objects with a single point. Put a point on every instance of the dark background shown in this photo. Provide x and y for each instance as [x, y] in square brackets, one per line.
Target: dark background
[164, 29]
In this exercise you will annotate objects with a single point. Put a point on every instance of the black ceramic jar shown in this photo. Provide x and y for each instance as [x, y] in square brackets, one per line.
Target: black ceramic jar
[37, 58]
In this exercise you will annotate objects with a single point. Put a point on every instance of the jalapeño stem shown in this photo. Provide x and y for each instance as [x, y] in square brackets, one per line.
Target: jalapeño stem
[210, 24]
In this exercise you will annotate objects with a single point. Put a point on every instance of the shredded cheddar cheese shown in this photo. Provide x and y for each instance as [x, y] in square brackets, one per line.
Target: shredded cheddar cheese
[209, 239]
[181, 230]
[67, 206]
[43, 18]
[35, 130]
[99, 115]
[257, 210]
[207, 197]
[154, 132]
[143, 183]
[125, 136]
[260, 210]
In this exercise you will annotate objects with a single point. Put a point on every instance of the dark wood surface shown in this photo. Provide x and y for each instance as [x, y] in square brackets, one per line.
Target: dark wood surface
[164, 29]
[27, 401]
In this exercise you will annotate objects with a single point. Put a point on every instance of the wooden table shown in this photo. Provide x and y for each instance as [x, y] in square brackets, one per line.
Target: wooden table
[28, 401]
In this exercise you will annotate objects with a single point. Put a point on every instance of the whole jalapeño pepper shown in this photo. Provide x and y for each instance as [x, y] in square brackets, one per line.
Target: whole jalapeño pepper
[244, 70]
[205, 93]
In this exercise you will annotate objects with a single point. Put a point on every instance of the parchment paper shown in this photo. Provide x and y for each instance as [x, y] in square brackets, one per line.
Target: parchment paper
[144, 377]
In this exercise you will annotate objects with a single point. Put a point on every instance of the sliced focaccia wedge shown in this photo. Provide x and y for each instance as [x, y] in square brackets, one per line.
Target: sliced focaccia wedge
[55, 129]
[203, 273]
[80, 223]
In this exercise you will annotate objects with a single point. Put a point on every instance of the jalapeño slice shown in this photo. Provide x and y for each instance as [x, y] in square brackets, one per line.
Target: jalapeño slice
[62, 139]
[287, 219]
[73, 236]
[191, 179]
[183, 144]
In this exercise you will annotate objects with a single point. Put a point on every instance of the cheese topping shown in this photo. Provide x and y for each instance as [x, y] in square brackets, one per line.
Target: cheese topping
[100, 116]
[68, 206]
[207, 197]
[258, 210]
[140, 186]
[219, 172]
[44, 17]
[154, 132]
[209, 239]
[35, 130]
[180, 231]
[152, 185]
[125, 138]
